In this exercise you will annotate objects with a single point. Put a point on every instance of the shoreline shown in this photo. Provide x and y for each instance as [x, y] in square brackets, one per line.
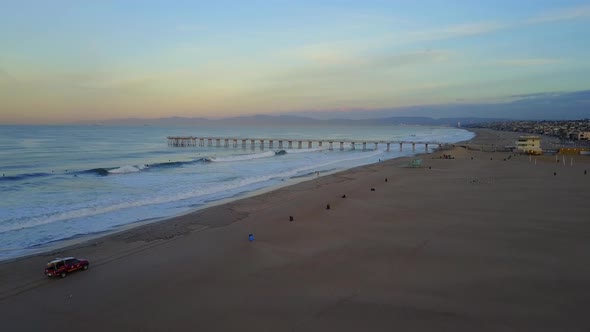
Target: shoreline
[47, 250]
[51, 251]
[481, 241]
[62, 245]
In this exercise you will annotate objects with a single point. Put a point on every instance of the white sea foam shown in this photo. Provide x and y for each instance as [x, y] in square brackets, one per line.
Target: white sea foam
[243, 157]
[213, 188]
[305, 150]
[127, 169]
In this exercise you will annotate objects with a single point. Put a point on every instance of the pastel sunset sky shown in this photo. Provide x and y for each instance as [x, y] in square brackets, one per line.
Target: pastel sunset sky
[63, 61]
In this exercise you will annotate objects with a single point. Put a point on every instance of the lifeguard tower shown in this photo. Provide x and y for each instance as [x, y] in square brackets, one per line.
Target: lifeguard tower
[529, 145]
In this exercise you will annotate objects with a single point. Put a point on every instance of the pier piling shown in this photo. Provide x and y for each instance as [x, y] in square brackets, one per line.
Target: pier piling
[190, 141]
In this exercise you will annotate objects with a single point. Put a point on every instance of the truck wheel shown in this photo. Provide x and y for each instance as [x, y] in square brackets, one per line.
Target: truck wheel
[63, 275]
[85, 267]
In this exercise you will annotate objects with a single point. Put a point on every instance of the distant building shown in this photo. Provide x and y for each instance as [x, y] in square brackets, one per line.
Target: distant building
[584, 136]
[582, 151]
[529, 145]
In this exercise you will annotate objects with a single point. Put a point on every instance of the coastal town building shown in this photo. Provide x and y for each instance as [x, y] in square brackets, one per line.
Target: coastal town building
[566, 130]
[529, 145]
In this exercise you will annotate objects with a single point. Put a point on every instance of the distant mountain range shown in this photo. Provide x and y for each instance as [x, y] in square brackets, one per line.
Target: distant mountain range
[293, 120]
[535, 106]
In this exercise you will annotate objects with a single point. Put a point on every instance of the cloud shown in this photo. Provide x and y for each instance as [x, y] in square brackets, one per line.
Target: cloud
[565, 14]
[481, 28]
[536, 95]
[407, 59]
[570, 96]
[539, 106]
[361, 65]
[348, 52]
[335, 53]
[456, 31]
[366, 80]
[529, 62]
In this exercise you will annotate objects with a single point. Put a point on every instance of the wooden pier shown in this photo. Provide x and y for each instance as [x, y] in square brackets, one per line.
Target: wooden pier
[284, 143]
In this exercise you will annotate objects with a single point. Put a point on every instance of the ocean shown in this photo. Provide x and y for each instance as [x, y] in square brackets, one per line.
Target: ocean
[60, 183]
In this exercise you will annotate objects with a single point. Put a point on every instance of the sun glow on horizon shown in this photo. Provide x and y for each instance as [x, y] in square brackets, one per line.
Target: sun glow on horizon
[93, 61]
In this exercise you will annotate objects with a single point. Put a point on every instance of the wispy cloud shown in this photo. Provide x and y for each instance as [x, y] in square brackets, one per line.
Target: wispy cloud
[482, 28]
[456, 31]
[537, 95]
[359, 53]
[351, 64]
[349, 51]
[338, 51]
[408, 58]
[332, 53]
[529, 62]
[565, 14]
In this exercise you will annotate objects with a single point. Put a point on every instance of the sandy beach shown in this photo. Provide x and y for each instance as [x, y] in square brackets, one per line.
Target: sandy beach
[487, 241]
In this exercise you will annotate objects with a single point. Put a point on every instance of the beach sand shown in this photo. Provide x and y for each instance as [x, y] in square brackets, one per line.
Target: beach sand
[475, 243]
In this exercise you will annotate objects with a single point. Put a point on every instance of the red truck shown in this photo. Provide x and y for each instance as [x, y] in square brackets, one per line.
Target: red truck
[62, 266]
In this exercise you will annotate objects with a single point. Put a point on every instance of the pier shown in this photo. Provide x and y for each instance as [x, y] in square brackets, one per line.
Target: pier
[287, 143]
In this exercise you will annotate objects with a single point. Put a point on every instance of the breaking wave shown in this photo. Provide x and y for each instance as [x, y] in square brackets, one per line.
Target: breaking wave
[236, 184]
[138, 168]
[243, 157]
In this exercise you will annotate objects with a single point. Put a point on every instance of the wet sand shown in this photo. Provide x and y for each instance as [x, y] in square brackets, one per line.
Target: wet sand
[475, 243]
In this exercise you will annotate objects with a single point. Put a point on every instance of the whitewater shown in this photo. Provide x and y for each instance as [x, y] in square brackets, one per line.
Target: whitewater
[69, 182]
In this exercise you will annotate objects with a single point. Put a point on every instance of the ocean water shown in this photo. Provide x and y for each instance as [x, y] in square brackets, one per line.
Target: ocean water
[64, 182]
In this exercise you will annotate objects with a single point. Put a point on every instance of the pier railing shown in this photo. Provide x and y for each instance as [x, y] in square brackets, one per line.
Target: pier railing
[292, 143]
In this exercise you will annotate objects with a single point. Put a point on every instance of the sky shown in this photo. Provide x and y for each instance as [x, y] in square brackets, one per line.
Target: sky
[67, 61]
